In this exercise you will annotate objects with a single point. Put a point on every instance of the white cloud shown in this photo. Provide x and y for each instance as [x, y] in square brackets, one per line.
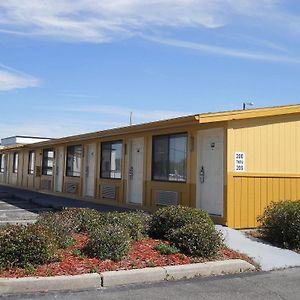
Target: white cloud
[102, 21]
[59, 127]
[11, 79]
[124, 112]
[216, 50]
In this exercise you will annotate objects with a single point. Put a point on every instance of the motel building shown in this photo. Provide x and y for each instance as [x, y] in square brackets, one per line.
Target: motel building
[231, 164]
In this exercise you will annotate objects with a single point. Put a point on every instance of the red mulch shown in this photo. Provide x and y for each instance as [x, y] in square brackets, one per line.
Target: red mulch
[141, 255]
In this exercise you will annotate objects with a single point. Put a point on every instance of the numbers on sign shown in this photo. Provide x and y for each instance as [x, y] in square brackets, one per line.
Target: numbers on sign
[239, 161]
[239, 155]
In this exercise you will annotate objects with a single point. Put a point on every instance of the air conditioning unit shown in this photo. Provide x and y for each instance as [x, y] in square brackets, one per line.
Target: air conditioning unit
[72, 187]
[46, 184]
[166, 198]
[108, 191]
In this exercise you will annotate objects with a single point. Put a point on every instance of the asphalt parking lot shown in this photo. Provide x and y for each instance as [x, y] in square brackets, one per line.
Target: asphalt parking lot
[15, 210]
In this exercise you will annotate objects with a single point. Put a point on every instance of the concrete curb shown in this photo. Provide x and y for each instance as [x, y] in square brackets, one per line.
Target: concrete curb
[43, 284]
[123, 277]
[208, 269]
[114, 278]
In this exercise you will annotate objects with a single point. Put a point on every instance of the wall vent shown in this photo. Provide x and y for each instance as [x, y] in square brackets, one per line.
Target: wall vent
[108, 191]
[166, 197]
[45, 184]
[37, 171]
[72, 187]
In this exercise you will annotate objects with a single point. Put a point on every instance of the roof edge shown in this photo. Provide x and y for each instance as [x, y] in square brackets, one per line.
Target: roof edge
[248, 114]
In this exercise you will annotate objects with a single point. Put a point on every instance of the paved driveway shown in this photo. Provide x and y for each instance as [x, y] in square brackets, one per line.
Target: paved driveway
[275, 285]
[15, 210]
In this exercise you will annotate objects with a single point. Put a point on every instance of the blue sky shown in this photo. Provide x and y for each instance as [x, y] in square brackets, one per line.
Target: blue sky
[74, 66]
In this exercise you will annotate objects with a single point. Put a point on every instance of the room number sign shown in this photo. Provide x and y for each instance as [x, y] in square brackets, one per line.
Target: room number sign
[239, 161]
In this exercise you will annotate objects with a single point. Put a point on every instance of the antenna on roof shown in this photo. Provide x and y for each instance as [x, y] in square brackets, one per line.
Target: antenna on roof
[130, 118]
[245, 104]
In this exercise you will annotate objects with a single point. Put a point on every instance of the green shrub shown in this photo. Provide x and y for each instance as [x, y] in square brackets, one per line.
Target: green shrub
[280, 224]
[198, 239]
[136, 223]
[83, 219]
[166, 249]
[29, 269]
[172, 217]
[108, 242]
[61, 226]
[27, 246]
[69, 221]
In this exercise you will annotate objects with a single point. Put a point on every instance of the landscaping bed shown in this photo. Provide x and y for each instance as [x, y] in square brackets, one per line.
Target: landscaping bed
[79, 241]
[142, 254]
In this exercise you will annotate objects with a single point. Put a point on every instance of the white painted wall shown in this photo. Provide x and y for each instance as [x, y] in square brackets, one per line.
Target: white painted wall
[14, 140]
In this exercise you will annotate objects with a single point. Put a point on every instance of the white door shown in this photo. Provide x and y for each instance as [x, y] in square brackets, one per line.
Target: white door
[89, 167]
[6, 168]
[59, 169]
[135, 171]
[210, 171]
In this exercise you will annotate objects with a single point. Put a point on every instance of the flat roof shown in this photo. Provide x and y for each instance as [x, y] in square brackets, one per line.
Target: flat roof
[25, 136]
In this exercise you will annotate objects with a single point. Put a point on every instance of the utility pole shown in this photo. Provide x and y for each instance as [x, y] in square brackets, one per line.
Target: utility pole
[130, 118]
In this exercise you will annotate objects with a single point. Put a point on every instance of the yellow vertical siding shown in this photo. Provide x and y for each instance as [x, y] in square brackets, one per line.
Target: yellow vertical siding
[272, 166]
[253, 192]
[272, 145]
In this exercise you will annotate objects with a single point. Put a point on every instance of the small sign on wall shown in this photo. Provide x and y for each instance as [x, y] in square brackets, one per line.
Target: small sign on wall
[239, 161]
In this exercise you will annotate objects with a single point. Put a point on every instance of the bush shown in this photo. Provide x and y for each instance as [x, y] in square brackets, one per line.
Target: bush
[135, 223]
[280, 224]
[108, 242]
[61, 226]
[83, 219]
[198, 239]
[166, 249]
[27, 246]
[68, 221]
[172, 217]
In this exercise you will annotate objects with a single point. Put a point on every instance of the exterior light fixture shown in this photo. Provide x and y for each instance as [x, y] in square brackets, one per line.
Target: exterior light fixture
[245, 104]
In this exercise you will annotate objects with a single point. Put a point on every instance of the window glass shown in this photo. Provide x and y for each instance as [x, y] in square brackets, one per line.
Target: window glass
[177, 158]
[31, 158]
[48, 157]
[169, 157]
[2, 163]
[74, 154]
[111, 160]
[160, 158]
[15, 162]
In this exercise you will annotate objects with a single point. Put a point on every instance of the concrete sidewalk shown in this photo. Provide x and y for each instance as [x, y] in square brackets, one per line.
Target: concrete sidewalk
[267, 256]
[18, 211]
[54, 201]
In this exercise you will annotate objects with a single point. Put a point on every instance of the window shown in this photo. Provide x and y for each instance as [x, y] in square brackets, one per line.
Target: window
[169, 157]
[2, 163]
[15, 162]
[111, 160]
[31, 158]
[74, 160]
[48, 157]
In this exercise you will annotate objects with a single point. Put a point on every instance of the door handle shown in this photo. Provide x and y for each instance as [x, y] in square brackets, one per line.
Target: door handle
[130, 172]
[202, 175]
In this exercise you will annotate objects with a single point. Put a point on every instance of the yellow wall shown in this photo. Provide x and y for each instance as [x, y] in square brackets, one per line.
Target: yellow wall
[272, 145]
[272, 166]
